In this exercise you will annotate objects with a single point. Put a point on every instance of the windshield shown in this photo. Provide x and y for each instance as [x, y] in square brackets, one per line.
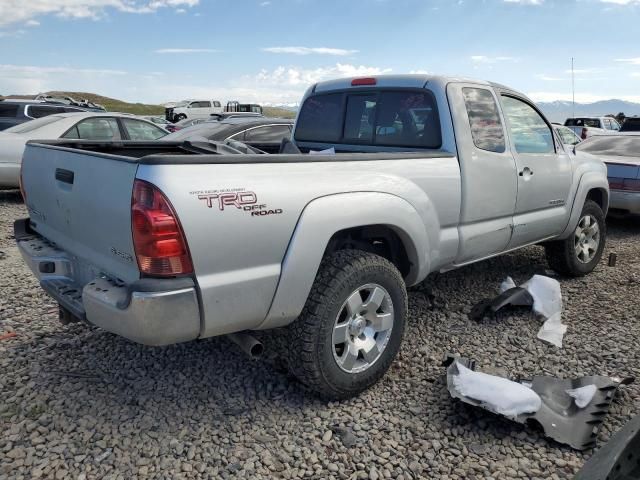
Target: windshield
[34, 124]
[614, 145]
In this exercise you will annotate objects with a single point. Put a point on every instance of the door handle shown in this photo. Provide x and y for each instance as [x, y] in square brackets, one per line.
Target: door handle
[526, 171]
[65, 176]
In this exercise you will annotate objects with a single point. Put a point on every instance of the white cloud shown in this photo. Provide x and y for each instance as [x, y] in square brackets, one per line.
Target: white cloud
[484, 59]
[622, 2]
[186, 50]
[526, 2]
[548, 78]
[265, 4]
[631, 61]
[32, 23]
[584, 71]
[14, 11]
[294, 76]
[420, 72]
[310, 50]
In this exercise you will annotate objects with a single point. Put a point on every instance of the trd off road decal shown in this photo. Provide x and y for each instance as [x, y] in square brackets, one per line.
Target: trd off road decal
[235, 198]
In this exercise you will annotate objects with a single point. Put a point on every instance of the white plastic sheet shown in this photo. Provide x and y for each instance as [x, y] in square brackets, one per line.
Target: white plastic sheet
[497, 394]
[583, 395]
[547, 301]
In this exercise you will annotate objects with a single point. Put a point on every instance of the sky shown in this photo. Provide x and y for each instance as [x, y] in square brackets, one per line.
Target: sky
[270, 51]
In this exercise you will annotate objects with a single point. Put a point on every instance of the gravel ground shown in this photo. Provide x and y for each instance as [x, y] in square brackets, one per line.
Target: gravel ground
[77, 402]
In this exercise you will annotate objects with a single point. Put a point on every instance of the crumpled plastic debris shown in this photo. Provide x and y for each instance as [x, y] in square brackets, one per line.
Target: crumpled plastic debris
[547, 301]
[496, 394]
[582, 396]
[559, 418]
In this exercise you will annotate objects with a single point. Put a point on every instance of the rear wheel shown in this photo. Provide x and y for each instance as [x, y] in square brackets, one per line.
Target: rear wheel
[579, 253]
[352, 325]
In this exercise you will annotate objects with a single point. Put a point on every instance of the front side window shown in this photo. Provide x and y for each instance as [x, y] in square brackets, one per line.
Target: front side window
[96, 129]
[528, 131]
[567, 136]
[138, 130]
[484, 119]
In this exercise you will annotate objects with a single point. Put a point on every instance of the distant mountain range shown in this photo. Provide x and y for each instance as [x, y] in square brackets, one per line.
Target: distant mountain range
[559, 110]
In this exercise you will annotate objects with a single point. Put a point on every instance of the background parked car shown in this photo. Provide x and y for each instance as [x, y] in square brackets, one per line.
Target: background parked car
[264, 133]
[192, 109]
[85, 125]
[621, 154]
[64, 100]
[631, 124]
[585, 127]
[16, 111]
[567, 136]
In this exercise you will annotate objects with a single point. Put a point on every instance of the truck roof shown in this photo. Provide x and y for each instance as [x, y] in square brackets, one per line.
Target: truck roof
[404, 80]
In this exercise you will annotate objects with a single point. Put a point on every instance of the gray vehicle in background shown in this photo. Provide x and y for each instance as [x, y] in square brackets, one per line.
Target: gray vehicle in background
[621, 155]
[165, 242]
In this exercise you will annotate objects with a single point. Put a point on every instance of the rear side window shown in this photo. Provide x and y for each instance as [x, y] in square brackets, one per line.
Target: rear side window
[484, 119]
[8, 110]
[95, 129]
[403, 118]
[39, 111]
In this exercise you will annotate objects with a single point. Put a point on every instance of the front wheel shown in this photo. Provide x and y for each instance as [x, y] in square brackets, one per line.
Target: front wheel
[352, 325]
[579, 253]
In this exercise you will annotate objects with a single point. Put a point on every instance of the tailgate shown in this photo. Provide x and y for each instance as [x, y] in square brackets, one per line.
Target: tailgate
[81, 201]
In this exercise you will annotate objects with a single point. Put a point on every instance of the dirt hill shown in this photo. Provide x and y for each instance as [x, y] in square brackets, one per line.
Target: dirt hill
[115, 105]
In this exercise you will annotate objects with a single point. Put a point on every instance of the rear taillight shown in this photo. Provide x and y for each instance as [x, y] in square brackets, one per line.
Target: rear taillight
[158, 239]
[583, 135]
[363, 81]
[627, 184]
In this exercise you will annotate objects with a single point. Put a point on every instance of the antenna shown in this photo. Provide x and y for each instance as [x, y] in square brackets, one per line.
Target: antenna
[573, 92]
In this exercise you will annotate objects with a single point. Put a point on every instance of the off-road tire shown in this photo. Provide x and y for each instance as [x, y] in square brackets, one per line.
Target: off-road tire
[311, 350]
[180, 117]
[561, 254]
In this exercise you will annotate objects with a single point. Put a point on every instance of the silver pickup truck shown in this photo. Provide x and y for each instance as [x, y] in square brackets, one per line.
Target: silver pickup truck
[167, 242]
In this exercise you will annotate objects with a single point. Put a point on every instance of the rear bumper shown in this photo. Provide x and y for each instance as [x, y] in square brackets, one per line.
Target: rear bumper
[9, 175]
[149, 311]
[627, 201]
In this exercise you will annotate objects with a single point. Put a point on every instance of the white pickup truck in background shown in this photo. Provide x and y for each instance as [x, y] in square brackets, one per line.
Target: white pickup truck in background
[192, 109]
[165, 242]
[585, 127]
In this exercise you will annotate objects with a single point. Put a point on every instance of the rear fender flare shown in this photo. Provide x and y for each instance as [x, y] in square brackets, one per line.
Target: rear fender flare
[320, 220]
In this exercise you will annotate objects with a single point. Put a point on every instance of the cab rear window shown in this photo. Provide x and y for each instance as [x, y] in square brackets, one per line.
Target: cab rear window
[390, 118]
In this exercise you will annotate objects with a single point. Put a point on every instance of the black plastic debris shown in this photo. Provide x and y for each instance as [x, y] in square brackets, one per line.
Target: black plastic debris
[514, 297]
[619, 459]
[559, 416]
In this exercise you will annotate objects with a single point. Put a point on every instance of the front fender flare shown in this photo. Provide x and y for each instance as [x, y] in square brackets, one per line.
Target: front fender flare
[319, 221]
[589, 181]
